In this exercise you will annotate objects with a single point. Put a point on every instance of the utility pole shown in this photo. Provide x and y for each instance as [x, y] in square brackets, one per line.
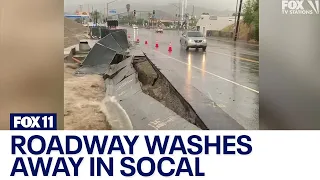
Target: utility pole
[179, 14]
[104, 11]
[235, 18]
[182, 12]
[186, 12]
[108, 10]
[193, 11]
[238, 22]
[192, 17]
[100, 17]
[81, 18]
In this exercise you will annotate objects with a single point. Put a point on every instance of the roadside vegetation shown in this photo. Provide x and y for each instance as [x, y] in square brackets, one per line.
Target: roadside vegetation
[249, 26]
[243, 30]
[251, 17]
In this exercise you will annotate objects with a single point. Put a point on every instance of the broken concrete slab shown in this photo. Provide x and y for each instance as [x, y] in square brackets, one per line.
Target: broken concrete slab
[136, 52]
[118, 58]
[115, 68]
[123, 73]
[141, 112]
[128, 87]
[126, 83]
[110, 42]
[100, 69]
[126, 93]
[146, 73]
[120, 36]
[144, 112]
[99, 55]
[99, 60]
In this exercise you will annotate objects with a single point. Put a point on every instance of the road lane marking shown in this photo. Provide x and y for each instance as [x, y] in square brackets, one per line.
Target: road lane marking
[210, 96]
[227, 47]
[241, 58]
[249, 44]
[250, 89]
[218, 105]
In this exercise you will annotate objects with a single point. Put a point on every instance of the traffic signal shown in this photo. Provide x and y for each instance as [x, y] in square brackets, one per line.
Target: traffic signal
[154, 12]
[134, 12]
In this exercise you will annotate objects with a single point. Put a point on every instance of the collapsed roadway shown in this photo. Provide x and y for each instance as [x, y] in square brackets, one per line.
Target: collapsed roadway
[139, 95]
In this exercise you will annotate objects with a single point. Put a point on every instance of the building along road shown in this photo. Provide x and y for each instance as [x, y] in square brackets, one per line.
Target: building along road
[227, 73]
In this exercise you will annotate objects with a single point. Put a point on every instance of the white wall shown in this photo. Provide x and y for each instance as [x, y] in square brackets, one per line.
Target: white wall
[218, 24]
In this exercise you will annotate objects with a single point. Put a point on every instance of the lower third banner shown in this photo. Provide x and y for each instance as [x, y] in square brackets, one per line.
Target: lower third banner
[160, 154]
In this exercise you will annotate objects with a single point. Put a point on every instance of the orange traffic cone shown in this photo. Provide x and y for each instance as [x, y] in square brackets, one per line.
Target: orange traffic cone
[157, 45]
[128, 35]
[170, 47]
[146, 42]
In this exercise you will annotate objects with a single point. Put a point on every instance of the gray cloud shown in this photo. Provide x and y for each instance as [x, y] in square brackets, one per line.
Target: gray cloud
[71, 5]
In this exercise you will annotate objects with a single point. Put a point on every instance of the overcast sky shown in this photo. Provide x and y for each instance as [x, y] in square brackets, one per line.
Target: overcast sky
[210, 4]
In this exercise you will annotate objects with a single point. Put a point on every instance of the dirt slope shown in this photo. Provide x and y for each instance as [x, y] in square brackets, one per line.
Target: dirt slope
[73, 32]
[244, 30]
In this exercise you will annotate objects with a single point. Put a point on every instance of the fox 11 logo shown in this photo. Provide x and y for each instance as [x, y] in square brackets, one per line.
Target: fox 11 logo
[33, 121]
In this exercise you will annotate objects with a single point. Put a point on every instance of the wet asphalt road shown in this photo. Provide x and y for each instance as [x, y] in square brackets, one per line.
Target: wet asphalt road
[227, 73]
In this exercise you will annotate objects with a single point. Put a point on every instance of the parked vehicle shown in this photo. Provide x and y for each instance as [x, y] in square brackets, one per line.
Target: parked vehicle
[159, 30]
[134, 26]
[193, 39]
